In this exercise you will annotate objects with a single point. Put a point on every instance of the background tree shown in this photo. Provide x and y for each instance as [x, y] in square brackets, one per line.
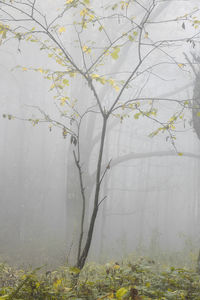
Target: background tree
[194, 64]
[126, 90]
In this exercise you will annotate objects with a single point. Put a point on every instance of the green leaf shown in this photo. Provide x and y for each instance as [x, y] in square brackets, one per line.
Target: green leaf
[198, 114]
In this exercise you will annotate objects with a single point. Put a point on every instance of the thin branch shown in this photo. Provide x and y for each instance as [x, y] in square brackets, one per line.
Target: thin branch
[129, 79]
[141, 28]
[33, 7]
[181, 102]
[81, 49]
[47, 119]
[83, 205]
[104, 198]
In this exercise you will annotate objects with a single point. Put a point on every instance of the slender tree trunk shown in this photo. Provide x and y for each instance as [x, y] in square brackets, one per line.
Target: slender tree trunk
[85, 251]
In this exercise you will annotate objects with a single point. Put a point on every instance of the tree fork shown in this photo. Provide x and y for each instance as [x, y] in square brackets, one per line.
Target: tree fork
[84, 254]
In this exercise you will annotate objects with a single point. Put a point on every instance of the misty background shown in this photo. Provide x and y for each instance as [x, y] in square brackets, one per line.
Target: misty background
[153, 194]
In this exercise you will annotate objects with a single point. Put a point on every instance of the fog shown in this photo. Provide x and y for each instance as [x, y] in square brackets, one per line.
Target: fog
[150, 192]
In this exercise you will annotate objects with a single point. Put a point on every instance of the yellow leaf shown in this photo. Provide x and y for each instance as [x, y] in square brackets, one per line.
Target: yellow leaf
[66, 82]
[116, 88]
[69, 1]
[131, 39]
[114, 54]
[148, 284]
[100, 28]
[181, 65]
[95, 76]
[72, 74]
[111, 81]
[146, 35]
[75, 270]
[116, 267]
[91, 17]
[180, 153]
[102, 80]
[24, 69]
[84, 25]
[61, 29]
[52, 86]
[57, 283]
[120, 293]
[172, 119]
[136, 116]
[62, 101]
[106, 53]
[86, 49]
[83, 12]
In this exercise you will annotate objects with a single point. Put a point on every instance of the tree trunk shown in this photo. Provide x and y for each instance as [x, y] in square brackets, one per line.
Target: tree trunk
[84, 254]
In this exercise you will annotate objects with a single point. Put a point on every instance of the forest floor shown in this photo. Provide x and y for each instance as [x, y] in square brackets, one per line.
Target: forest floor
[141, 279]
